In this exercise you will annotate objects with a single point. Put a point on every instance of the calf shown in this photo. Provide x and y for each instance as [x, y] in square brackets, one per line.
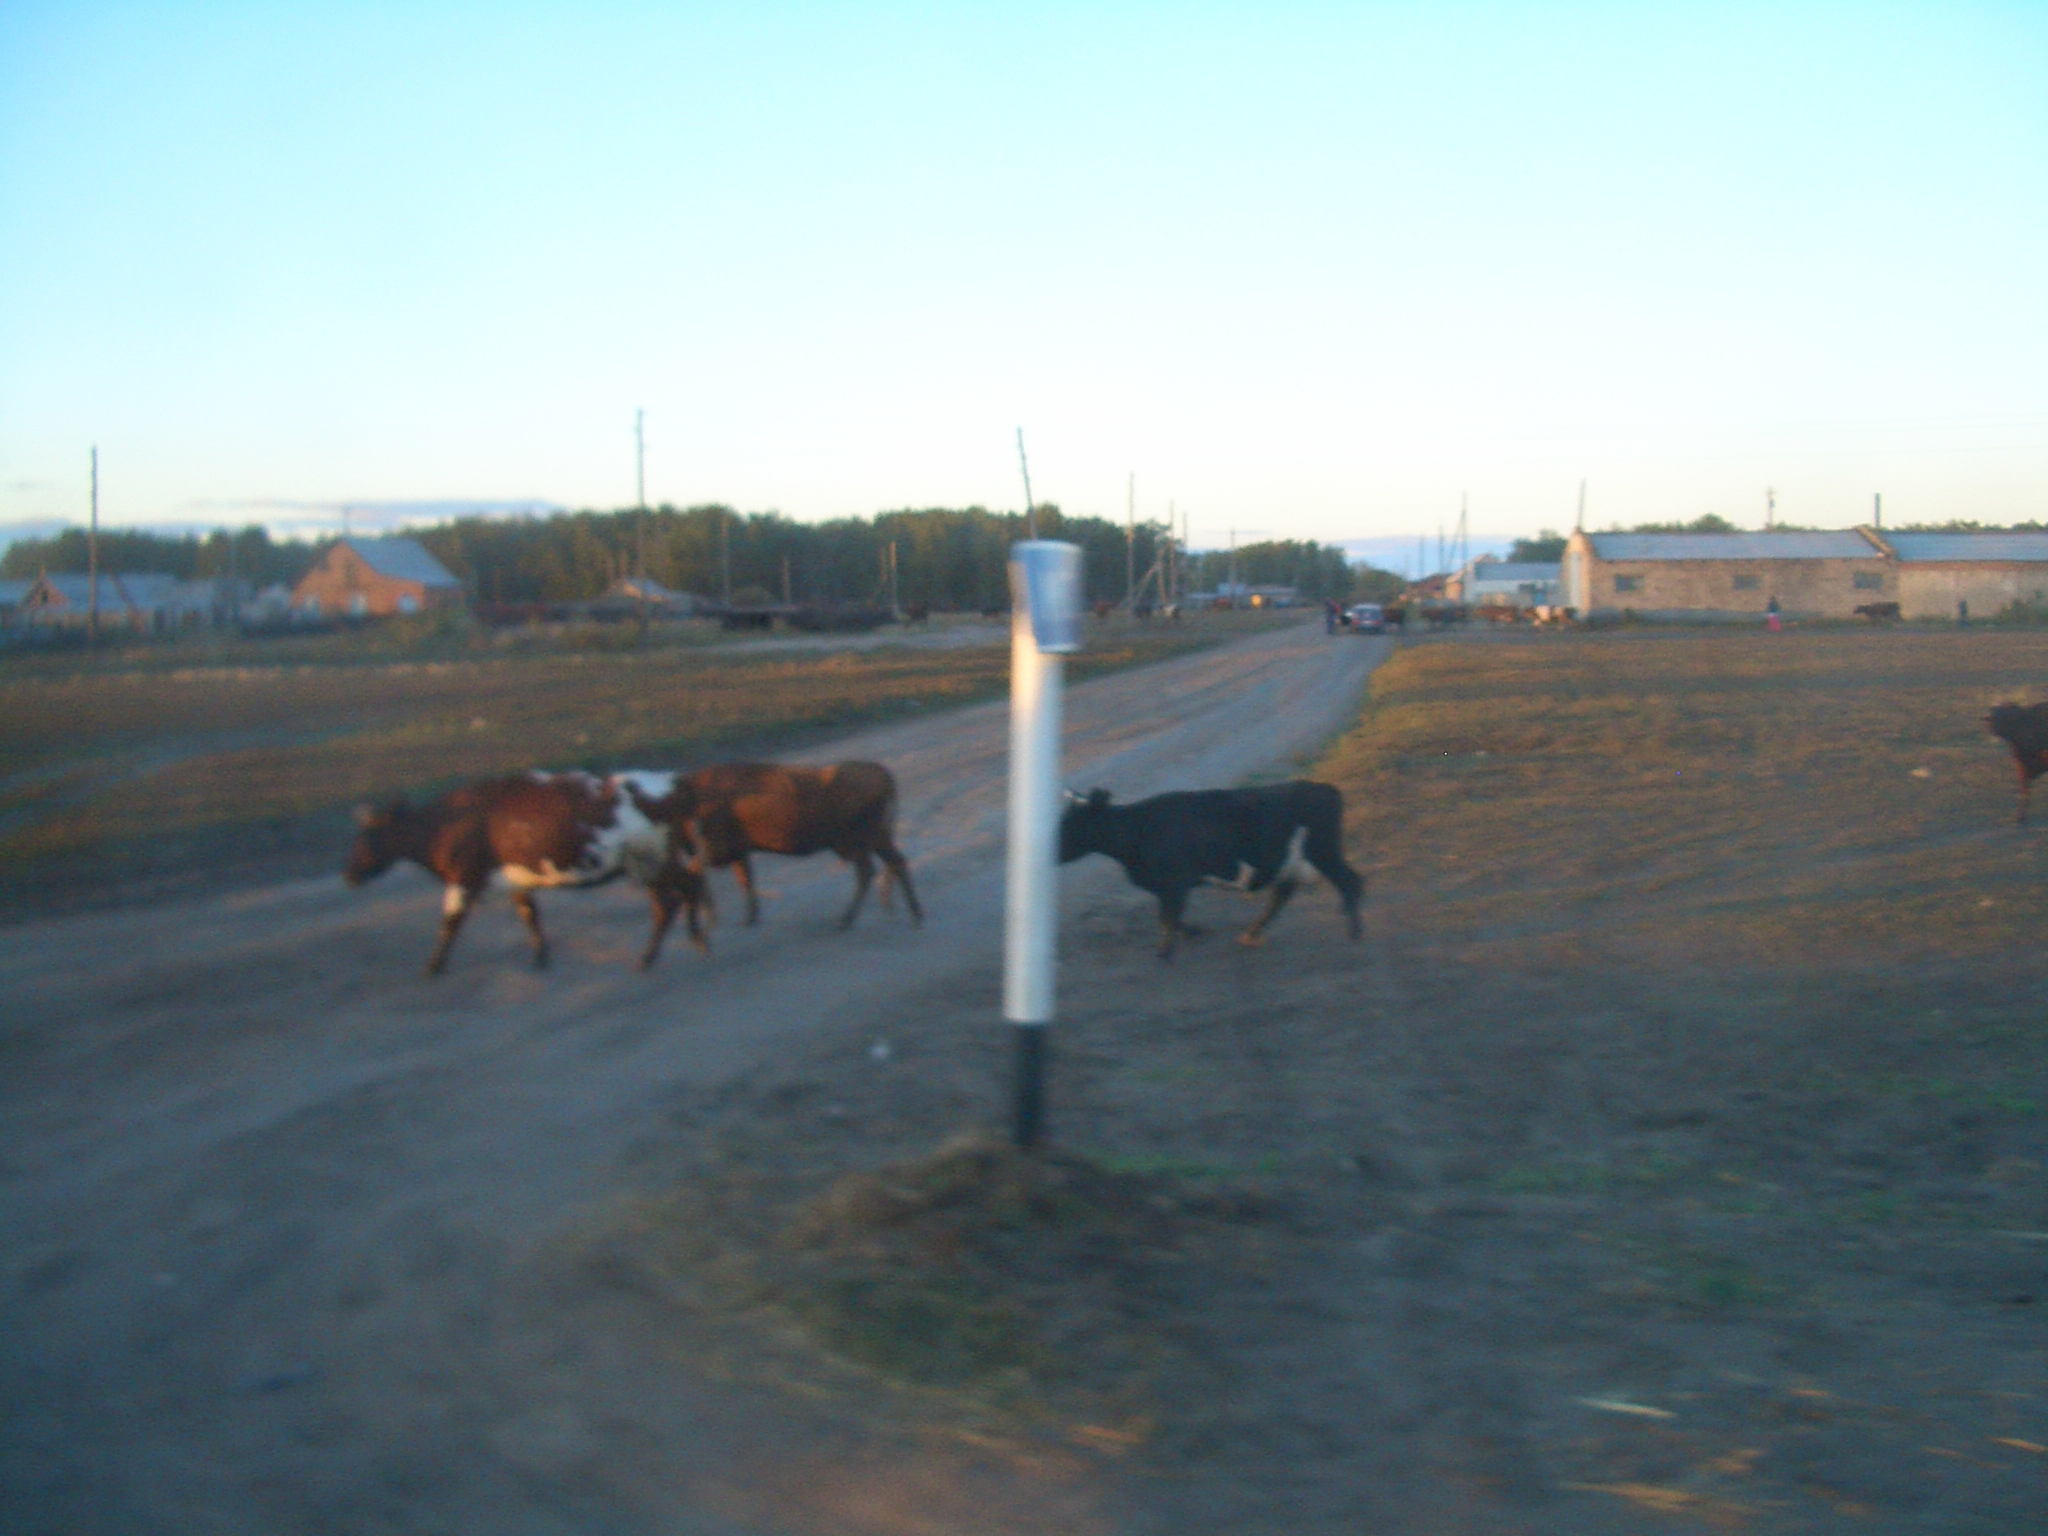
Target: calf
[2024, 728]
[1248, 839]
[541, 831]
[726, 813]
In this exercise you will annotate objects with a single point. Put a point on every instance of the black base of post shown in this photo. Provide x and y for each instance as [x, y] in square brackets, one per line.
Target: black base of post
[1030, 1084]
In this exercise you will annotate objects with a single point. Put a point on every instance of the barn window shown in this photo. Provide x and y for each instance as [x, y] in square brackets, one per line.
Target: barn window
[1748, 583]
[1628, 583]
[1869, 581]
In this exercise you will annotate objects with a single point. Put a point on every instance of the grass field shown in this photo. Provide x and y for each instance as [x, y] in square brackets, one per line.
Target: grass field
[1672, 1155]
[121, 769]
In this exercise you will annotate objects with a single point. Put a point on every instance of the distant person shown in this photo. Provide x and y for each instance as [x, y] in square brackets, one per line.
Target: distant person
[1962, 613]
[1331, 615]
[1772, 620]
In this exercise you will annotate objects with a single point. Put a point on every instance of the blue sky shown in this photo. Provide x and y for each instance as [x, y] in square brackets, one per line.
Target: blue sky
[1315, 271]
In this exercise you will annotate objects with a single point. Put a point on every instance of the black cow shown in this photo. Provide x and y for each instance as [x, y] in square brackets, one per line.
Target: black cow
[1247, 839]
[2024, 728]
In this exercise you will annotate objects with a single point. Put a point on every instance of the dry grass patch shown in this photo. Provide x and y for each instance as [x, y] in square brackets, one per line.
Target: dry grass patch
[1047, 1285]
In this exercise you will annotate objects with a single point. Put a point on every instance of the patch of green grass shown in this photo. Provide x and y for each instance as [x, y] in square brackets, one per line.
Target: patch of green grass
[1171, 1167]
[1588, 1178]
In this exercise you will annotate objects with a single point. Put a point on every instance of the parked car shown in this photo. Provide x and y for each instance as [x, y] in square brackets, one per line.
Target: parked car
[1367, 618]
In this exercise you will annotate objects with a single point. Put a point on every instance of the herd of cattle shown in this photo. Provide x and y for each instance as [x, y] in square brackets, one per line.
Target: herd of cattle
[667, 831]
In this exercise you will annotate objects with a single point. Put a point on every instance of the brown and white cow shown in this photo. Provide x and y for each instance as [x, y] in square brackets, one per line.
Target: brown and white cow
[540, 831]
[724, 814]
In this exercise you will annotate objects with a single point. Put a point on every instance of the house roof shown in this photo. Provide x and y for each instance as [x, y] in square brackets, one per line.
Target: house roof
[402, 560]
[1969, 546]
[12, 592]
[1733, 546]
[130, 589]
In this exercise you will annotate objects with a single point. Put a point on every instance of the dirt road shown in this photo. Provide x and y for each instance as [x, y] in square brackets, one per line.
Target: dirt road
[263, 1185]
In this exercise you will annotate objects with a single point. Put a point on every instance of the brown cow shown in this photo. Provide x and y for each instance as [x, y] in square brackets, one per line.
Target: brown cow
[542, 831]
[725, 813]
[2024, 728]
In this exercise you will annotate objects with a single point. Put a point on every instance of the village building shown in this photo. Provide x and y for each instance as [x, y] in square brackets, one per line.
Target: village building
[373, 578]
[1965, 575]
[1239, 594]
[130, 599]
[1729, 576]
[1708, 576]
[1489, 583]
[643, 594]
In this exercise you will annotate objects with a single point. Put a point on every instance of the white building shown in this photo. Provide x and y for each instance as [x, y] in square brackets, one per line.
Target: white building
[1490, 583]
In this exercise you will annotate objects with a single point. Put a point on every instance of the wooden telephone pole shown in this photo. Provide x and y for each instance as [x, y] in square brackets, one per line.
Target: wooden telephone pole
[92, 557]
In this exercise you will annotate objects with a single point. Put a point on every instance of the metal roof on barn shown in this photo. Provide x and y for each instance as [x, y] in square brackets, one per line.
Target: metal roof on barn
[118, 589]
[1955, 547]
[1733, 546]
[1514, 570]
[402, 560]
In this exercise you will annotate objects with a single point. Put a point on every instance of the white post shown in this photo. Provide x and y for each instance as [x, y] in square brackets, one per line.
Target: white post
[1045, 596]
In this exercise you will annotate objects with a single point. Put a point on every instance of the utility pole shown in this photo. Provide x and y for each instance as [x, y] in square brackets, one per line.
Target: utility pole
[1172, 560]
[1580, 525]
[725, 554]
[1233, 569]
[1770, 510]
[92, 556]
[1877, 509]
[1030, 506]
[1131, 542]
[640, 492]
[786, 601]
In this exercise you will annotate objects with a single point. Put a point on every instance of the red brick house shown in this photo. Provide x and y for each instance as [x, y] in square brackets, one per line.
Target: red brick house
[373, 577]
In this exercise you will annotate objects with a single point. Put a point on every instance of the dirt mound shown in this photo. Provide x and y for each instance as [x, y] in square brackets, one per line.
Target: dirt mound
[1048, 1280]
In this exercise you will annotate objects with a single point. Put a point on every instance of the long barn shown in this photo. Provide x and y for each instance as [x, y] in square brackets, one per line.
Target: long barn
[1737, 576]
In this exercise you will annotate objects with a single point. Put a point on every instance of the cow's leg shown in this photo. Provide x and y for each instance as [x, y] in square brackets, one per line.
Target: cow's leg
[529, 914]
[455, 904]
[1171, 928]
[743, 871]
[863, 873]
[666, 895]
[893, 863]
[1349, 884]
[1255, 935]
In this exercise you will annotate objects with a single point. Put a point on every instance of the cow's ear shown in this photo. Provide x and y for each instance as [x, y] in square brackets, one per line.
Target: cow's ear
[1071, 798]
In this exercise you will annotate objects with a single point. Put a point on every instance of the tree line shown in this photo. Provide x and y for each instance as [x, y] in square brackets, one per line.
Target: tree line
[943, 558]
